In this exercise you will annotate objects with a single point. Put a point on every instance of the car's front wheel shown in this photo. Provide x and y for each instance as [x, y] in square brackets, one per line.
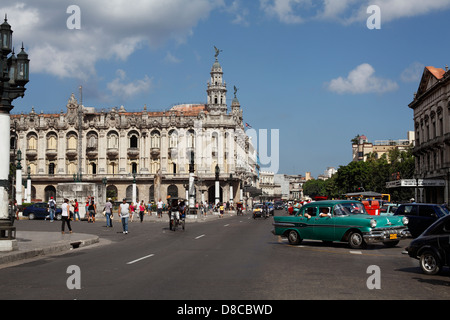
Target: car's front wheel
[430, 263]
[31, 216]
[356, 240]
[294, 237]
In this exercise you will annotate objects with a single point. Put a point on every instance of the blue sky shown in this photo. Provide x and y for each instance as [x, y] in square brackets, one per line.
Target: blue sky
[311, 69]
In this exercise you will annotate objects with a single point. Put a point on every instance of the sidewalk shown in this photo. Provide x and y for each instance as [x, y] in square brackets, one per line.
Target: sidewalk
[40, 243]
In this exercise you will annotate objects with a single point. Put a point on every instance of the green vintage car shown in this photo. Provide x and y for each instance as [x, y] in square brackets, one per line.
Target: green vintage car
[343, 221]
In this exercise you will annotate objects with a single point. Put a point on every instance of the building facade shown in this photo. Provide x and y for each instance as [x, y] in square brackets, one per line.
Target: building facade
[119, 149]
[362, 147]
[431, 106]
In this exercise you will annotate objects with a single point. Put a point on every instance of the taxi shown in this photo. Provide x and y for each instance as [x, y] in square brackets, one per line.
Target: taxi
[342, 221]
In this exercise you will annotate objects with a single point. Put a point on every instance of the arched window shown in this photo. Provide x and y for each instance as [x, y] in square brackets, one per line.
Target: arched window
[72, 141]
[32, 142]
[133, 141]
[113, 140]
[52, 142]
[172, 191]
[173, 139]
[191, 139]
[155, 140]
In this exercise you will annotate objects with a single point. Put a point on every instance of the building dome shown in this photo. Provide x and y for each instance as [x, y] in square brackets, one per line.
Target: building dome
[216, 66]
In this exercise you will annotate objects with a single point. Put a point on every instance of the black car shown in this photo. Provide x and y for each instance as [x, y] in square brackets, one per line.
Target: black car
[278, 205]
[432, 248]
[420, 215]
[39, 211]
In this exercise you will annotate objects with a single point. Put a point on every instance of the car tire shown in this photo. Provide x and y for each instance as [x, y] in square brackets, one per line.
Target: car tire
[58, 216]
[31, 216]
[356, 240]
[294, 237]
[430, 263]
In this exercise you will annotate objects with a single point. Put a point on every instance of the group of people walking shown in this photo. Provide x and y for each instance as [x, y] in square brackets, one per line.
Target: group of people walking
[126, 211]
[71, 211]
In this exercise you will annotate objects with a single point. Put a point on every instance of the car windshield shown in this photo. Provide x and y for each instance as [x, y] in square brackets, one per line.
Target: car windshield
[348, 208]
[258, 206]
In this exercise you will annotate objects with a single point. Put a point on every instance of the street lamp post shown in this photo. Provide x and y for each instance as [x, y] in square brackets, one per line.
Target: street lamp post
[217, 186]
[28, 185]
[191, 189]
[19, 195]
[14, 75]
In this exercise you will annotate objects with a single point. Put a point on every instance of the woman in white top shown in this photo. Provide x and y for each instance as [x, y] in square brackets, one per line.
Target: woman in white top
[65, 216]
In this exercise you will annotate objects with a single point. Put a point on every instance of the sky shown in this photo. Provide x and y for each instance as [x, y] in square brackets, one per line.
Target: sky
[319, 72]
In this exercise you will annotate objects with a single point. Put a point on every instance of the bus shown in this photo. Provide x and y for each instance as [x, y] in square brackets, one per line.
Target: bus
[372, 201]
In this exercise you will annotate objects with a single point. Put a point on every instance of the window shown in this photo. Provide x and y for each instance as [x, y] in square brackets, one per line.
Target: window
[51, 169]
[427, 211]
[409, 210]
[72, 142]
[51, 143]
[191, 139]
[134, 167]
[312, 211]
[133, 141]
[173, 139]
[155, 140]
[32, 142]
[113, 141]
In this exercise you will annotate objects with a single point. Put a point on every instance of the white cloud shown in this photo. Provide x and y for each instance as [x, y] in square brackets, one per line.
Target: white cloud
[110, 29]
[284, 10]
[121, 88]
[362, 80]
[348, 11]
[170, 58]
[413, 73]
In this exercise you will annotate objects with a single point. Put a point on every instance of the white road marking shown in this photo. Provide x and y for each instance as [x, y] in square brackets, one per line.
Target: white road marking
[200, 237]
[355, 252]
[140, 259]
[226, 225]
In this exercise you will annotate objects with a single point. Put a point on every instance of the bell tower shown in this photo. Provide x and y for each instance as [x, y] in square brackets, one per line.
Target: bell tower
[217, 89]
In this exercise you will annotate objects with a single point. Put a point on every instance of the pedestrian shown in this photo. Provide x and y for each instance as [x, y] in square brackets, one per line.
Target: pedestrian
[65, 216]
[124, 213]
[76, 210]
[108, 213]
[149, 208]
[92, 210]
[16, 209]
[51, 209]
[159, 208]
[141, 210]
[86, 207]
[221, 208]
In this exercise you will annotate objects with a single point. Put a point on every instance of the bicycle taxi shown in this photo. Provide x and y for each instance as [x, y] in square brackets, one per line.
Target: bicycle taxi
[177, 213]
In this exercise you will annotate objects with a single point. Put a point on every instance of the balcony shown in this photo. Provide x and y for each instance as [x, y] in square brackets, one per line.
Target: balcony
[71, 153]
[133, 153]
[51, 154]
[155, 152]
[112, 153]
[31, 154]
[92, 153]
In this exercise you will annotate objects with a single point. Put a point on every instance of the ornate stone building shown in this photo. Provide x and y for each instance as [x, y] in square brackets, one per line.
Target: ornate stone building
[118, 148]
[431, 107]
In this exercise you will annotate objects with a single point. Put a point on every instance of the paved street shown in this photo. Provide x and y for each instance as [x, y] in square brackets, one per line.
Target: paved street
[233, 258]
